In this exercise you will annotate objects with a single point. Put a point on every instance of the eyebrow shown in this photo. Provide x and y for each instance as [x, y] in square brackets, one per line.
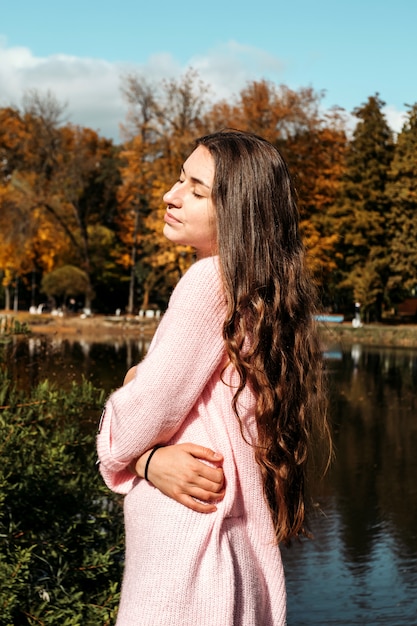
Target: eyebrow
[196, 181]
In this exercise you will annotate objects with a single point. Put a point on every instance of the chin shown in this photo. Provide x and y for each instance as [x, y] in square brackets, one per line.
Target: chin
[169, 233]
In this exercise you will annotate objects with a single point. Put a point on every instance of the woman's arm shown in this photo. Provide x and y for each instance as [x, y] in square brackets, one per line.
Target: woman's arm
[181, 472]
[161, 391]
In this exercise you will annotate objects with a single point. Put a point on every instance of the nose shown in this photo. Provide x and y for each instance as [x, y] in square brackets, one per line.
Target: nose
[173, 196]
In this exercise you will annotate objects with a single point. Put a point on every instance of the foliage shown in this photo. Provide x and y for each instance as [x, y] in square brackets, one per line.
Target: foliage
[402, 194]
[64, 282]
[58, 180]
[11, 326]
[163, 121]
[71, 197]
[60, 528]
[362, 209]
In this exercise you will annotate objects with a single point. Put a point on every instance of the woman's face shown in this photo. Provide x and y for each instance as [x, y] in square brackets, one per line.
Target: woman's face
[190, 217]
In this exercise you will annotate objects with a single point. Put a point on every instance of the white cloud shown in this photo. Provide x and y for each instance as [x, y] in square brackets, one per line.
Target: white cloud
[228, 67]
[91, 88]
[394, 117]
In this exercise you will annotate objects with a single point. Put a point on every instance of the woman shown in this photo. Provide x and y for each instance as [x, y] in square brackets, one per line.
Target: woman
[235, 367]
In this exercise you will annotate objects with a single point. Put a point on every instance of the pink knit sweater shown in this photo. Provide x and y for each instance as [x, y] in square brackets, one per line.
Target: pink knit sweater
[184, 568]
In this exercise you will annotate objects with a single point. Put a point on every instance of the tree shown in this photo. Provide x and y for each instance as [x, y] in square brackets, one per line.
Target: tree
[274, 112]
[62, 179]
[317, 158]
[16, 256]
[29, 238]
[362, 209]
[13, 137]
[401, 191]
[313, 144]
[163, 121]
[86, 186]
[30, 145]
[137, 172]
[65, 282]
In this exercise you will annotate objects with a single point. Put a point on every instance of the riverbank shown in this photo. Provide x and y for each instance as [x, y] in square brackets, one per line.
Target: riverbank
[378, 335]
[101, 328]
[94, 327]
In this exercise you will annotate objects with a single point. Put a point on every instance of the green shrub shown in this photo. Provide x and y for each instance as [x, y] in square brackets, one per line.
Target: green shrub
[61, 530]
[10, 326]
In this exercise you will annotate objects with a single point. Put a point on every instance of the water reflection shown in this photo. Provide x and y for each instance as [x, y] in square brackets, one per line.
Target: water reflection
[361, 568]
[63, 361]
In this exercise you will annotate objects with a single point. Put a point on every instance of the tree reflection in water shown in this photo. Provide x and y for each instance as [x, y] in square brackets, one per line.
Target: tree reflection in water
[361, 567]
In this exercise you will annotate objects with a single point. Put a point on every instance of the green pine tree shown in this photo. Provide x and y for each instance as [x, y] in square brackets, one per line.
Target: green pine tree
[402, 194]
[362, 210]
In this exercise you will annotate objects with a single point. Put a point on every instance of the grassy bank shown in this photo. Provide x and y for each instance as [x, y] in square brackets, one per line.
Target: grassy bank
[103, 328]
[93, 328]
[380, 335]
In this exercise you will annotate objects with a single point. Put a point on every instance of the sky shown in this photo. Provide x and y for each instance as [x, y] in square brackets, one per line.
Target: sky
[81, 51]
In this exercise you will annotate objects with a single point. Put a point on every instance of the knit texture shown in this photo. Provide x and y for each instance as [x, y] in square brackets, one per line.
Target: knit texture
[184, 568]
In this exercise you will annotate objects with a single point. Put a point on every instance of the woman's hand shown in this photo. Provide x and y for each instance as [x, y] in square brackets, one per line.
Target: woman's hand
[179, 472]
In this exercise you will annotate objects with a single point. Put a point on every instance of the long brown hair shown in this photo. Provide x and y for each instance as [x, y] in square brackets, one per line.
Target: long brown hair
[271, 299]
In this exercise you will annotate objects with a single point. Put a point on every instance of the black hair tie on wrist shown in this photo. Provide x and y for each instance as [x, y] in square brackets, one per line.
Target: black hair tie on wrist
[149, 460]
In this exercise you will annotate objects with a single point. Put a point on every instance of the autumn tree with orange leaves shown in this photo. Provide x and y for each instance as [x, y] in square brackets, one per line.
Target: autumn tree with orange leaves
[58, 196]
[313, 144]
[63, 181]
[163, 121]
[69, 197]
[27, 236]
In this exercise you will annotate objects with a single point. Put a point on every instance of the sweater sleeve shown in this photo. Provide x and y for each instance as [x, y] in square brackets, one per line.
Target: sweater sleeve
[185, 353]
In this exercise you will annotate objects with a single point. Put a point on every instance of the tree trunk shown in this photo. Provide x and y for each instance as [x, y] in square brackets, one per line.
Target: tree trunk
[7, 297]
[16, 297]
[131, 302]
[145, 301]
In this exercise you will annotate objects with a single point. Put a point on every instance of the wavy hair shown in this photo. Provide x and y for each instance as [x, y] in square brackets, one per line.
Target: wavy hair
[271, 300]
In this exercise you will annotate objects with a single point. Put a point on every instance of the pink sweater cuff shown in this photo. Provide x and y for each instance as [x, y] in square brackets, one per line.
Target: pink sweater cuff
[115, 474]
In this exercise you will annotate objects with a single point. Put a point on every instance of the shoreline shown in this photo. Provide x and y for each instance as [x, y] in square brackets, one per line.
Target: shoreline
[91, 328]
[379, 335]
[102, 327]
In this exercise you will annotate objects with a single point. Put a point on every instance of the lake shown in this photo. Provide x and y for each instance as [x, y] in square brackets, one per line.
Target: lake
[361, 566]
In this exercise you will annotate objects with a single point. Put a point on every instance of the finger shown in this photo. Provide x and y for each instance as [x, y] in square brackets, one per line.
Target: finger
[202, 483]
[195, 505]
[201, 452]
[204, 495]
[200, 470]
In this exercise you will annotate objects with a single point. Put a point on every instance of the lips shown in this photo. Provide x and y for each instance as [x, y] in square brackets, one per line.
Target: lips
[170, 219]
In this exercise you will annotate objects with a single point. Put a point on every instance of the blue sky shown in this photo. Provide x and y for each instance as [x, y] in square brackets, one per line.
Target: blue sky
[80, 50]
